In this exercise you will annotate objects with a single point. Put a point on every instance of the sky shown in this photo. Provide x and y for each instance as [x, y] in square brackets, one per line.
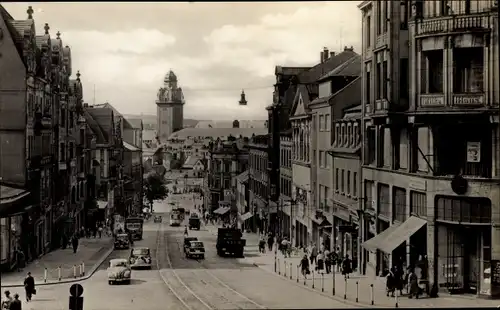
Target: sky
[124, 50]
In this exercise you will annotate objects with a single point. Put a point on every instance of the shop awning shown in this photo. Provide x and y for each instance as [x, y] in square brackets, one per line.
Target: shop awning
[102, 204]
[401, 234]
[224, 210]
[246, 216]
[217, 211]
[394, 236]
[13, 201]
[321, 221]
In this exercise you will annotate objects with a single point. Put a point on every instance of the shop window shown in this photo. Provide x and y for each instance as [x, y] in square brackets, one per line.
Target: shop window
[368, 195]
[399, 204]
[463, 209]
[418, 204]
[384, 205]
[370, 150]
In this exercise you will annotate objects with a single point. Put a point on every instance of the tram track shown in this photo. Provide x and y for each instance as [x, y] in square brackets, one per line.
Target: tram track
[193, 284]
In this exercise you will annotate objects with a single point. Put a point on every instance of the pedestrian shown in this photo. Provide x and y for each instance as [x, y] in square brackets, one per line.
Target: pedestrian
[29, 286]
[313, 253]
[7, 301]
[413, 283]
[74, 243]
[338, 255]
[304, 266]
[270, 242]
[346, 266]
[328, 261]
[390, 283]
[99, 231]
[319, 261]
[16, 303]
[262, 245]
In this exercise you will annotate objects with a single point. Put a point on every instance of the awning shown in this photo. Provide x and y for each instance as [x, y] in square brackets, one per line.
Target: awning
[394, 236]
[246, 216]
[402, 233]
[13, 201]
[217, 211]
[321, 221]
[224, 210]
[102, 204]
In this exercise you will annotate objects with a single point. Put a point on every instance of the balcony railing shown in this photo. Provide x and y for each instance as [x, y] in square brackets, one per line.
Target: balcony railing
[455, 23]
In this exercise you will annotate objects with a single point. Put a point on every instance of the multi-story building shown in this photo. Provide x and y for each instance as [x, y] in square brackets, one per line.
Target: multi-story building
[337, 89]
[227, 159]
[242, 196]
[346, 167]
[431, 171]
[285, 210]
[265, 216]
[170, 107]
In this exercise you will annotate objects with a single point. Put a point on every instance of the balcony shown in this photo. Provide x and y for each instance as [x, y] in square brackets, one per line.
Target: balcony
[454, 24]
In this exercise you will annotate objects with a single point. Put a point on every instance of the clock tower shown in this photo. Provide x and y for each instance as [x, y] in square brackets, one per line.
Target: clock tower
[170, 107]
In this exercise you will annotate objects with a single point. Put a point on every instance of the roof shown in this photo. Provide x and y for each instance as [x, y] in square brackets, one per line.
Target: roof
[16, 29]
[217, 132]
[136, 123]
[306, 98]
[130, 147]
[242, 177]
[191, 160]
[229, 124]
[313, 74]
[99, 121]
[116, 113]
[351, 67]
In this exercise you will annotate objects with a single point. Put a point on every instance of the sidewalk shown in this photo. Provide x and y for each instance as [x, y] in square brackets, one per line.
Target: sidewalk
[91, 252]
[359, 286]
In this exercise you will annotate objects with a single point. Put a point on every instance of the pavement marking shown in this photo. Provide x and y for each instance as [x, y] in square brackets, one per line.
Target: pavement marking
[176, 275]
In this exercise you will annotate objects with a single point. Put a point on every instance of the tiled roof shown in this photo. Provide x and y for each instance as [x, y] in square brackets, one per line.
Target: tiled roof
[313, 74]
[94, 126]
[351, 67]
[136, 123]
[217, 132]
[191, 161]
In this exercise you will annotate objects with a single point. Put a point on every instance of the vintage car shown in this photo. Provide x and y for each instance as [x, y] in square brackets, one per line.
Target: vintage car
[196, 249]
[194, 222]
[158, 219]
[119, 271]
[187, 241]
[140, 257]
[122, 241]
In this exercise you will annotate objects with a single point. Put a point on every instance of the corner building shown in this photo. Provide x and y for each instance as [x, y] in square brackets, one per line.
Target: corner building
[431, 155]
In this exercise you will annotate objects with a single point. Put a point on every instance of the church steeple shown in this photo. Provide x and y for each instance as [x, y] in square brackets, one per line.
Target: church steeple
[243, 101]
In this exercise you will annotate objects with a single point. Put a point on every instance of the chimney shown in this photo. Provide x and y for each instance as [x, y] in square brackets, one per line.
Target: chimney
[332, 54]
[85, 105]
[351, 49]
[324, 54]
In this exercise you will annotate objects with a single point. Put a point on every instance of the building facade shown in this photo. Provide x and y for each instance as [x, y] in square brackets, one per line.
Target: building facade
[264, 218]
[429, 175]
[285, 211]
[170, 107]
[346, 194]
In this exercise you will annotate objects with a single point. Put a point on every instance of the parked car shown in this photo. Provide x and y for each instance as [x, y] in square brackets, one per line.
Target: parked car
[140, 257]
[122, 241]
[119, 271]
[187, 241]
[196, 249]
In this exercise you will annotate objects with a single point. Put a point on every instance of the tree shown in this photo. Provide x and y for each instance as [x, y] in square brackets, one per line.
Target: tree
[154, 189]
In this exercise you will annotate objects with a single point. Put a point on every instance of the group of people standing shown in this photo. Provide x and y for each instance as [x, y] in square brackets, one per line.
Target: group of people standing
[325, 261]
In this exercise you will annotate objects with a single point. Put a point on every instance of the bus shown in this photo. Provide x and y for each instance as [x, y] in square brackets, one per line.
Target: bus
[176, 217]
[134, 226]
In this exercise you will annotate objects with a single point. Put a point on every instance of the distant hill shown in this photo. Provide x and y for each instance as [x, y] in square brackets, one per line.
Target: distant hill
[149, 121]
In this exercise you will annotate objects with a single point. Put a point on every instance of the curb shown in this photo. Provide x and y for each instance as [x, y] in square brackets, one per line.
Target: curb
[338, 299]
[66, 281]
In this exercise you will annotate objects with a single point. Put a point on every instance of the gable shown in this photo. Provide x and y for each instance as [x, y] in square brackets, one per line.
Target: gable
[299, 106]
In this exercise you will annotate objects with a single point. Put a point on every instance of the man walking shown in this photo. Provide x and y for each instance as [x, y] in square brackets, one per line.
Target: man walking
[74, 242]
[29, 286]
[16, 303]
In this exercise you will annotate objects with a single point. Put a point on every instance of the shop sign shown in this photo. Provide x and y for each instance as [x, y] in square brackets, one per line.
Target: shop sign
[473, 152]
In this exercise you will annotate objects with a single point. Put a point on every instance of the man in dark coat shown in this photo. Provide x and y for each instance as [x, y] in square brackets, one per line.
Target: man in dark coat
[29, 286]
[74, 242]
[16, 303]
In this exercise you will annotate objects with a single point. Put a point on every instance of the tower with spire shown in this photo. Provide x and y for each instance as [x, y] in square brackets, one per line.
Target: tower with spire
[170, 107]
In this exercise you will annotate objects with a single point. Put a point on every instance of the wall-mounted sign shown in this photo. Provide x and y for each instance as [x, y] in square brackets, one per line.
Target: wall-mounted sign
[473, 152]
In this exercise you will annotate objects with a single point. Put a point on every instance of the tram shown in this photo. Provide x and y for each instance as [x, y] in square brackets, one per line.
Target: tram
[176, 217]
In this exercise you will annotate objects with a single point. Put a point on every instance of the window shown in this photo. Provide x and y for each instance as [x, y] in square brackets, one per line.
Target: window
[385, 20]
[384, 204]
[418, 204]
[348, 182]
[337, 179]
[371, 147]
[368, 195]
[342, 182]
[355, 184]
[378, 80]
[327, 122]
[368, 28]
[432, 80]
[379, 17]
[399, 204]
[468, 70]
[463, 209]
[403, 78]
[404, 15]
[227, 183]
[385, 78]
[338, 136]
[63, 118]
[321, 159]
[321, 122]
[227, 167]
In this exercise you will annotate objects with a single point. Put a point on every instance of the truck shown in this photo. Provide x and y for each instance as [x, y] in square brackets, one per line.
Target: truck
[230, 242]
[134, 227]
[194, 222]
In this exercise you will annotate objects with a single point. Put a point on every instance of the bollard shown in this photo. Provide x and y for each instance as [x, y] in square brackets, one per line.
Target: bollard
[372, 295]
[275, 267]
[74, 271]
[279, 267]
[357, 291]
[291, 268]
[83, 269]
[345, 288]
[298, 273]
[80, 270]
[284, 273]
[333, 280]
[59, 273]
[322, 282]
[313, 278]
[396, 299]
[45, 272]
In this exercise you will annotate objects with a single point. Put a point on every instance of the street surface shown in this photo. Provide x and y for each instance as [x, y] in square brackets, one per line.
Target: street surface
[179, 283]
